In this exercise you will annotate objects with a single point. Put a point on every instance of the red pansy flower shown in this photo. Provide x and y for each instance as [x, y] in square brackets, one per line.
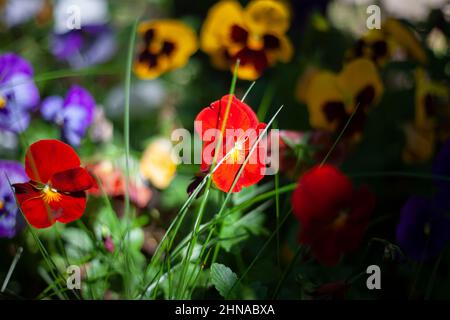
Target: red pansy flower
[333, 215]
[242, 129]
[56, 190]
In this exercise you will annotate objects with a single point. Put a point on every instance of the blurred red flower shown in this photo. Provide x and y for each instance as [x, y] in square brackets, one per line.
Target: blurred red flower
[112, 181]
[333, 215]
[242, 129]
[56, 190]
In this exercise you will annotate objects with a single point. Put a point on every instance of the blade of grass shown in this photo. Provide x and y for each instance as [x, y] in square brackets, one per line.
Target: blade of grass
[126, 125]
[49, 261]
[341, 134]
[265, 103]
[11, 269]
[277, 215]
[248, 91]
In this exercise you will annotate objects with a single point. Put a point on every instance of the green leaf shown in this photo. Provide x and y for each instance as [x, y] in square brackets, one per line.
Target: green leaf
[78, 239]
[237, 228]
[223, 279]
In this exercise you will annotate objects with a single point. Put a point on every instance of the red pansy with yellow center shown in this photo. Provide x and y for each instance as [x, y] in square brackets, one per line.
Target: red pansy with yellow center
[242, 130]
[332, 213]
[57, 187]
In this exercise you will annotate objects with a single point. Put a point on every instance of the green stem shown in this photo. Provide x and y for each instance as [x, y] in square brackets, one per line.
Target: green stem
[286, 272]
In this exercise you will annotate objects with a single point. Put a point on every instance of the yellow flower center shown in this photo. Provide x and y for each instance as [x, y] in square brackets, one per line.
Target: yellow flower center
[2, 205]
[255, 42]
[2, 102]
[237, 155]
[341, 219]
[155, 47]
[50, 194]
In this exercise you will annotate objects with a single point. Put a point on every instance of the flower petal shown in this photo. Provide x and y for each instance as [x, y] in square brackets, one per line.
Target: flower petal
[51, 107]
[36, 211]
[70, 208]
[240, 116]
[47, 157]
[72, 180]
[320, 194]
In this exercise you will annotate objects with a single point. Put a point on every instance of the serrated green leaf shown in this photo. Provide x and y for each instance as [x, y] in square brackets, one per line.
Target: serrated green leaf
[223, 279]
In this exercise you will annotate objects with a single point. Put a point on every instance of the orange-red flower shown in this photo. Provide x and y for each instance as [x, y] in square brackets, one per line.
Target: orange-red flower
[113, 182]
[57, 187]
[333, 215]
[242, 129]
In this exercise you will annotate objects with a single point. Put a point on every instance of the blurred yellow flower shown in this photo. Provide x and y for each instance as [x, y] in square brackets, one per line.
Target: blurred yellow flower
[165, 45]
[382, 45]
[431, 120]
[255, 36]
[159, 163]
[332, 98]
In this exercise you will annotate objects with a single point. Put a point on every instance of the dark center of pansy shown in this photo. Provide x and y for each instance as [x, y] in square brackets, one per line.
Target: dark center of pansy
[167, 48]
[356, 124]
[358, 49]
[365, 97]
[148, 36]
[334, 111]
[379, 49]
[257, 58]
[154, 49]
[239, 35]
[271, 42]
[148, 58]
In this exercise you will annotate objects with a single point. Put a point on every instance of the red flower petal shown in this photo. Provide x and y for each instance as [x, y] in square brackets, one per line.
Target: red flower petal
[70, 208]
[37, 212]
[333, 216]
[320, 193]
[47, 157]
[225, 174]
[240, 116]
[72, 180]
[40, 214]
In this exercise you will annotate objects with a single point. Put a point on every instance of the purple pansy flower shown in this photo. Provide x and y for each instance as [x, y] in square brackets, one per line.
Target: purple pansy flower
[86, 47]
[74, 114]
[87, 42]
[424, 228]
[18, 93]
[10, 219]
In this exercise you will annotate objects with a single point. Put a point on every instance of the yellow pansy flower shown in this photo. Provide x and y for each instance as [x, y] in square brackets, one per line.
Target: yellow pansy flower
[165, 45]
[431, 120]
[381, 45]
[332, 98]
[255, 36]
[159, 163]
